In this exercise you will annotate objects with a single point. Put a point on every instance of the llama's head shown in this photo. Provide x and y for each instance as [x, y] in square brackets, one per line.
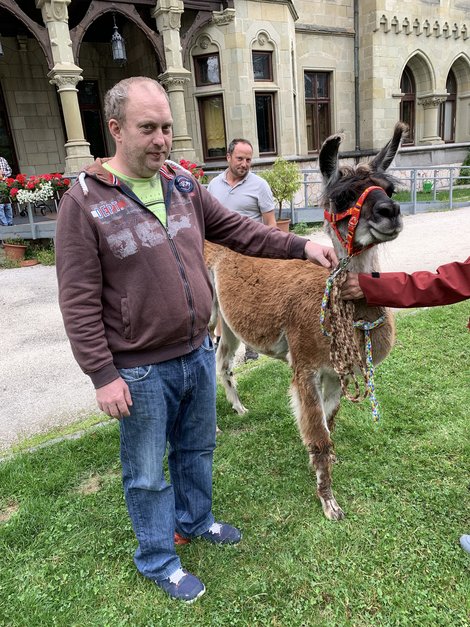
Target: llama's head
[357, 200]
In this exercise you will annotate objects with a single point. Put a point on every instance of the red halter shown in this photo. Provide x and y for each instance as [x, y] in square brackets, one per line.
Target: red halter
[355, 213]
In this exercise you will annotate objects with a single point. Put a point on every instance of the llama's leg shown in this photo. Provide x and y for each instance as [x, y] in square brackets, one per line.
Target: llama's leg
[331, 396]
[224, 359]
[215, 308]
[312, 422]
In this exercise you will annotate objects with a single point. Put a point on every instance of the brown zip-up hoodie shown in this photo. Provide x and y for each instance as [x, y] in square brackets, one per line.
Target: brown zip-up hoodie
[133, 291]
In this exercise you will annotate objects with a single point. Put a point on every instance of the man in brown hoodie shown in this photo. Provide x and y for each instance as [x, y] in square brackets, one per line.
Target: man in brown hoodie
[136, 300]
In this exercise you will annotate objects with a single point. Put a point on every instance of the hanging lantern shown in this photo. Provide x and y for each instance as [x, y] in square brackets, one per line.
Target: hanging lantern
[118, 45]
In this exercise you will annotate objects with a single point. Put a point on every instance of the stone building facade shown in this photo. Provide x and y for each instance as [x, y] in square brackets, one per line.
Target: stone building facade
[282, 73]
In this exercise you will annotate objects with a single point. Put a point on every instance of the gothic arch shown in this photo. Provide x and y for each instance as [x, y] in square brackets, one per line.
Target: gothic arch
[98, 8]
[39, 32]
[461, 68]
[423, 72]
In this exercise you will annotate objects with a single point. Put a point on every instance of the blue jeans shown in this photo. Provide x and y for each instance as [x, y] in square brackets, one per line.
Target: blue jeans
[6, 214]
[174, 403]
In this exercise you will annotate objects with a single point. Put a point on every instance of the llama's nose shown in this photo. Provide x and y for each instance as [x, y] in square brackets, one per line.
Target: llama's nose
[387, 208]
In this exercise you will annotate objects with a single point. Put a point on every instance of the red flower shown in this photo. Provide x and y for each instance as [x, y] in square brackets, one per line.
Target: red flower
[14, 191]
[196, 171]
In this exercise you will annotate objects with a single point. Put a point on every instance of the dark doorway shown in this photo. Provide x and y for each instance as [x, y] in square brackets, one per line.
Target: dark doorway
[7, 148]
[92, 120]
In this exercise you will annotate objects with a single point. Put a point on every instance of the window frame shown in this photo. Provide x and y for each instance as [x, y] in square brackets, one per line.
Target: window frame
[269, 55]
[314, 103]
[410, 98]
[452, 99]
[197, 69]
[205, 150]
[272, 114]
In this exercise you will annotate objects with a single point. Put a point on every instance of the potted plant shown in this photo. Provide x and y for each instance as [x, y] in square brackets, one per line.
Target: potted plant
[284, 180]
[15, 248]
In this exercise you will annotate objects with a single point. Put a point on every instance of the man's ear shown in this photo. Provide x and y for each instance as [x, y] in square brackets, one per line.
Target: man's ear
[115, 129]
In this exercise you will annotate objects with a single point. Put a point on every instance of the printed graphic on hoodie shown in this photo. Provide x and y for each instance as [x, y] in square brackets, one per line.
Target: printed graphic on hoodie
[126, 242]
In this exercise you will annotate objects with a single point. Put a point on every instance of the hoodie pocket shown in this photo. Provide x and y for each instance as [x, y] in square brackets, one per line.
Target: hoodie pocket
[126, 319]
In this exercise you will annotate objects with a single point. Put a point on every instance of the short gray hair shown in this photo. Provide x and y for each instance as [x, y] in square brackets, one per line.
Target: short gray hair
[115, 99]
[234, 142]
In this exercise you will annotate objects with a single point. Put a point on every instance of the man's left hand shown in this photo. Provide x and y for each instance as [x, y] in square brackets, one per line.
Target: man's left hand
[321, 255]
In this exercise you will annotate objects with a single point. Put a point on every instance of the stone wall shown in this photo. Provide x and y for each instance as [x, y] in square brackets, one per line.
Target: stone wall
[33, 109]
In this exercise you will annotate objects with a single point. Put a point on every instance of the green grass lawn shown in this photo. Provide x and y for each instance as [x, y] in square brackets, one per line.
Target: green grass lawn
[66, 543]
[458, 195]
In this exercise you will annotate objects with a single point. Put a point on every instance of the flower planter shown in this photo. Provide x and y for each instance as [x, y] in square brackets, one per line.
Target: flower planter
[283, 225]
[26, 263]
[14, 252]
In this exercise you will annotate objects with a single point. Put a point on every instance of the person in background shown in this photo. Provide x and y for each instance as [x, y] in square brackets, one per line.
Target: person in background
[240, 190]
[6, 210]
[136, 299]
[449, 284]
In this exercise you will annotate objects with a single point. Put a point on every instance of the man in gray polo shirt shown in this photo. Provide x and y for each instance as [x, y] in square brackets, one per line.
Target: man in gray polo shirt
[243, 191]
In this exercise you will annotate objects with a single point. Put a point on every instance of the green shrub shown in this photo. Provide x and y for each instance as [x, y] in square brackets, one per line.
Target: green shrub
[284, 180]
[464, 171]
[46, 254]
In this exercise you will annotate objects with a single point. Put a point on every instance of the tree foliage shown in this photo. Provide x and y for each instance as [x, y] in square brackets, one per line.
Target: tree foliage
[284, 179]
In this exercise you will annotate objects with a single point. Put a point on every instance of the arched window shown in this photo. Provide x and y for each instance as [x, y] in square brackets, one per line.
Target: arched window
[408, 103]
[209, 97]
[264, 78]
[447, 110]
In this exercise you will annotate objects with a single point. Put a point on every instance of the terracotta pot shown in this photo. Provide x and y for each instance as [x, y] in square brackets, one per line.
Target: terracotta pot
[283, 225]
[14, 252]
[28, 262]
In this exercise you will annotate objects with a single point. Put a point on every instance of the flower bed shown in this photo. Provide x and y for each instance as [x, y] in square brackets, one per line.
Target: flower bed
[34, 188]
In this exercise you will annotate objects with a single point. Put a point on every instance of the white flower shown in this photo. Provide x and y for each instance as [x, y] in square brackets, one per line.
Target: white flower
[42, 193]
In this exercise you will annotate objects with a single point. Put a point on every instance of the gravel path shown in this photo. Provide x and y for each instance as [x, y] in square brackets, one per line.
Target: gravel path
[41, 385]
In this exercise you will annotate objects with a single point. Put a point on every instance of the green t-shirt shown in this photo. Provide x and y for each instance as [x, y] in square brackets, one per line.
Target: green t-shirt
[149, 191]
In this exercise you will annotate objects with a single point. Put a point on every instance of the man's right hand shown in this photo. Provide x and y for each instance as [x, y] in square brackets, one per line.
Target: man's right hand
[351, 290]
[114, 398]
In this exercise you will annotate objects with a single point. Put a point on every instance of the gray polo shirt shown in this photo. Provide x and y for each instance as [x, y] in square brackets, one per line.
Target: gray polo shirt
[250, 197]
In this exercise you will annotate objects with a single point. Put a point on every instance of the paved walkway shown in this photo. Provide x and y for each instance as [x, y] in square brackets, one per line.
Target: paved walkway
[41, 385]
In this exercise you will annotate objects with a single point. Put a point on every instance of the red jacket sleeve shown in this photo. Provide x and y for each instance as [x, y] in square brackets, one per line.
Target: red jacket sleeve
[449, 284]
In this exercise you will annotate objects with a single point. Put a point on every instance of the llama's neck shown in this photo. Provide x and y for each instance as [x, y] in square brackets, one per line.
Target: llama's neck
[367, 261]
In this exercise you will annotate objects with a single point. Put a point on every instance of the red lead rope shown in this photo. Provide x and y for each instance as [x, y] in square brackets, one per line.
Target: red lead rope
[355, 213]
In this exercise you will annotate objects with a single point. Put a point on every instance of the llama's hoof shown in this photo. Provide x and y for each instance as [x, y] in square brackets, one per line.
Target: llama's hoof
[240, 409]
[331, 509]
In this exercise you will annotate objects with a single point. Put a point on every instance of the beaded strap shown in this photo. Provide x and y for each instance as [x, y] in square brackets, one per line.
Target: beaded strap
[344, 351]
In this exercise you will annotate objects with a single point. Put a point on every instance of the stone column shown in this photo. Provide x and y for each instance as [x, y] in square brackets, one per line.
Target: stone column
[431, 116]
[168, 18]
[65, 75]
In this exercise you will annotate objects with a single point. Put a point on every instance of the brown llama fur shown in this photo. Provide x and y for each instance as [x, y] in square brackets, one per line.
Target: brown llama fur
[274, 305]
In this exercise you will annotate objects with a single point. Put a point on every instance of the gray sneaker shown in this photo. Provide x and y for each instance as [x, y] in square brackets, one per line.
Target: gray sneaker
[465, 543]
[183, 586]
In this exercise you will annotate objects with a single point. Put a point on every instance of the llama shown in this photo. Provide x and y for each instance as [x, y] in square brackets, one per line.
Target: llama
[274, 305]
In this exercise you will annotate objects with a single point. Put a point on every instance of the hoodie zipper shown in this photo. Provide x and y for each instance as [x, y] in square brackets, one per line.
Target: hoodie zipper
[187, 290]
[181, 269]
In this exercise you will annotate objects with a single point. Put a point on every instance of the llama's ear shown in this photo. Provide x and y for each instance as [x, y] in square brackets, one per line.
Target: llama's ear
[385, 157]
[328, 157]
